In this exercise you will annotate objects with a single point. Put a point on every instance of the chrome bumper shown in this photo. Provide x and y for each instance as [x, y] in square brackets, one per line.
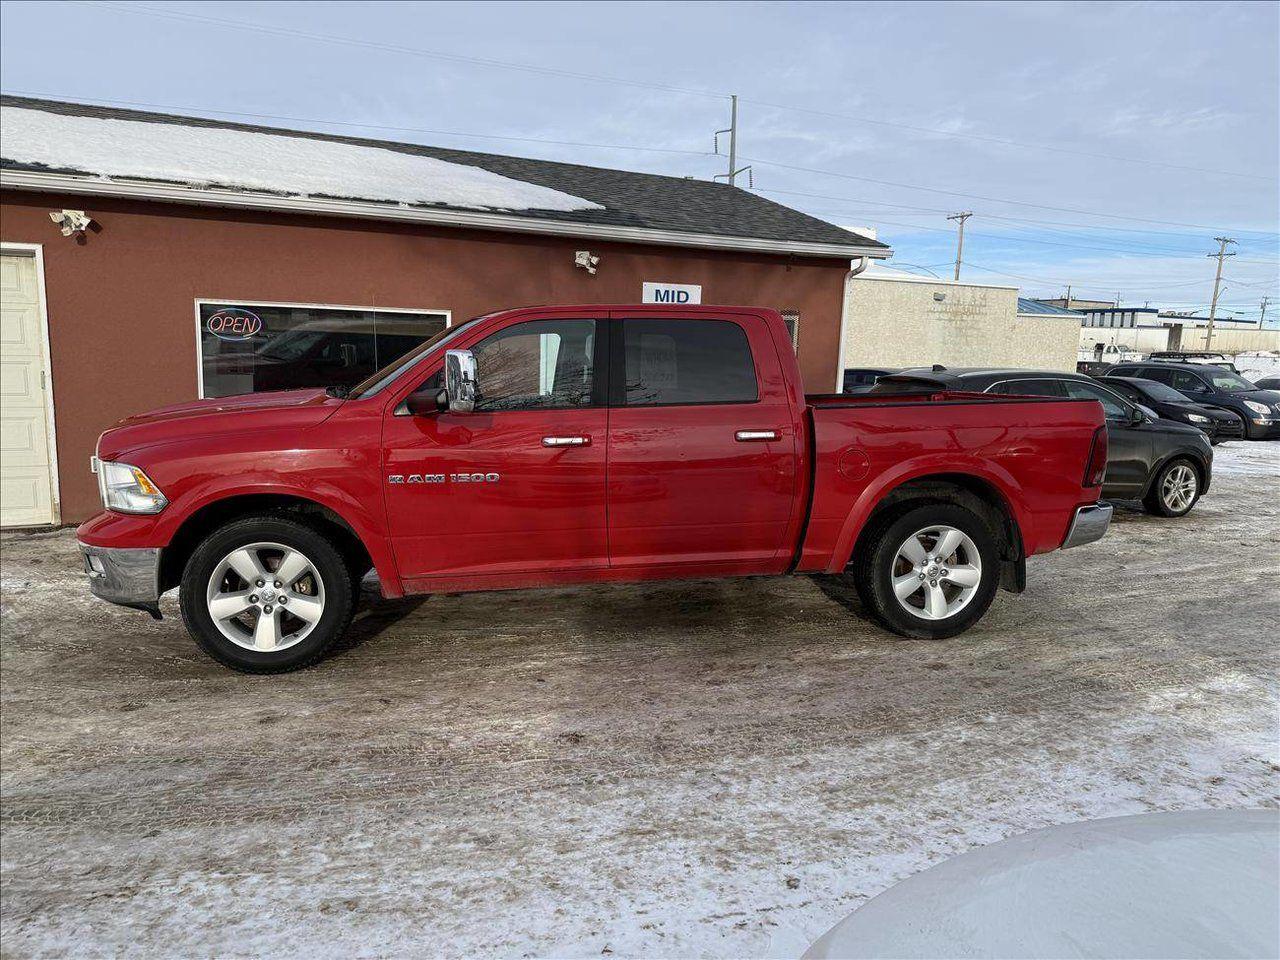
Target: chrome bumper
[1089, 524]
[127, 576]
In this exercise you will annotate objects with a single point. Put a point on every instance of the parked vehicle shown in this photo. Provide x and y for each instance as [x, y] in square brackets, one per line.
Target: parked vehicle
[560, 445]
[1218, 425]
[862, 379]
[1215, 387]
[1166, 465]
[1193, 356]
[1093, 368]
[1267, 383]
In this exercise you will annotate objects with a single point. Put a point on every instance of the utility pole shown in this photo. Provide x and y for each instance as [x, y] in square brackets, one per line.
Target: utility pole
[962, 217]
[1262, 319]
[1217, 283]
[1068, 296]
[732, 131]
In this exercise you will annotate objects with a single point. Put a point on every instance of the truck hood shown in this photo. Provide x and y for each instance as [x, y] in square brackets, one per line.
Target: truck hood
[201, 418]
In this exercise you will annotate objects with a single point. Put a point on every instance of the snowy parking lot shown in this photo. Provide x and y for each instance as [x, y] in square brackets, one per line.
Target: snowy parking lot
[703, 768]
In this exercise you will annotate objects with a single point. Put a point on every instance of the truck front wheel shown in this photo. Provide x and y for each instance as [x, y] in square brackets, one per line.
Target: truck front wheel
[930, 572]
[266, 595]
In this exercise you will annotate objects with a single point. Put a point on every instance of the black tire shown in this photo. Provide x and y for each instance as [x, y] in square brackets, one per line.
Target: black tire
[873, 569]
[1156, 501]
[333, 569]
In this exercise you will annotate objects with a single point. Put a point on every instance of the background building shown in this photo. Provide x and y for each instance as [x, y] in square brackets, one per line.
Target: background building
[151, 259]
[897, 319]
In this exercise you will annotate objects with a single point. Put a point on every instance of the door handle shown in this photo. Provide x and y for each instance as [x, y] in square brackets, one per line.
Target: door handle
[755, 436]
[566, 441]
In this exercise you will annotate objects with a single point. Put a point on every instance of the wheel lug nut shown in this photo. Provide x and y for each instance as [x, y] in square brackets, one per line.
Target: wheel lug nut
[253, 598]
[281, 601]
[267, 608]
[262, 583]
[278, 584]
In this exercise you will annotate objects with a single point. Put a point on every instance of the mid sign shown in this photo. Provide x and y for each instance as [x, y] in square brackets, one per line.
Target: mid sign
[671, 293]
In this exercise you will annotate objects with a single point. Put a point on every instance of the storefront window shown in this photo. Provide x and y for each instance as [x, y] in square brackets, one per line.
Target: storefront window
[248, 348]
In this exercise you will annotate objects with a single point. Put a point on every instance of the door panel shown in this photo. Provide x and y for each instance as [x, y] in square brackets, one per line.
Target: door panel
[518, 485]
[1129, 445]
[682, 487]
[26, 481]
[531, 508]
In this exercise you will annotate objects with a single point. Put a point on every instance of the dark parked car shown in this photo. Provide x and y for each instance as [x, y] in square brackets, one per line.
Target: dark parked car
[862, 379]
[1215, 387]
[1217, 424]
[1268, 383]
[1166, 465]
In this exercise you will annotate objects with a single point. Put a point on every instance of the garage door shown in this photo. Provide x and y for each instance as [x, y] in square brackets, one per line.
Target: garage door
[26, 485]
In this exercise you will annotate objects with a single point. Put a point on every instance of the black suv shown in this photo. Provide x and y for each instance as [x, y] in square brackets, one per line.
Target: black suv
[1215, 387]
[1166, 465]
[1217, 424]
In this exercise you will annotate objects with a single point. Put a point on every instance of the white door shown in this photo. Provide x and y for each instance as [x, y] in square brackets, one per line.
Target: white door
[26, 482]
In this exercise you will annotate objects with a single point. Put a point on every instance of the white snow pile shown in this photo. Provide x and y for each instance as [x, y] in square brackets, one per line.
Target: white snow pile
[211, 156]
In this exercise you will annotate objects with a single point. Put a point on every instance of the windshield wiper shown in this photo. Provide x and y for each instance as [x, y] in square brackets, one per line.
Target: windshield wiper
[338, 391]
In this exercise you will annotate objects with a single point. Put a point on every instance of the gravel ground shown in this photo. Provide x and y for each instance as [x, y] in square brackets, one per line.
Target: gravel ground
[706, 768]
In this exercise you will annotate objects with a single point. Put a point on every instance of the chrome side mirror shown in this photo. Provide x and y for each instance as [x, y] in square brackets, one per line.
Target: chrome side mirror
[460, 380]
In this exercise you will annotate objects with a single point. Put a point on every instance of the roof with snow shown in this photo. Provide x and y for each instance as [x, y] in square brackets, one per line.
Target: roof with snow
[1036, 308]
[105, 150]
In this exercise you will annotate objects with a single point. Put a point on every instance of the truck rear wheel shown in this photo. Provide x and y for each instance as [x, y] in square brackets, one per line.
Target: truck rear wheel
[930, 572]
[266, 595]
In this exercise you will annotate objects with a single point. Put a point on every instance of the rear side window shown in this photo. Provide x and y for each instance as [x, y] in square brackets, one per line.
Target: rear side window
[1158, 374]
[673, 362]
[1127, 390]
[1111, 404]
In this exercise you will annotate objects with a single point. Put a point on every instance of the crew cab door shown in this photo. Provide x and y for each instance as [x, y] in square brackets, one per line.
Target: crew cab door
[515, 487]
[702, 447]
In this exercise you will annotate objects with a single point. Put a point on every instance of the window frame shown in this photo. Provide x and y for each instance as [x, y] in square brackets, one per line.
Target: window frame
[250, 304]
[617, 392]
[599, 364]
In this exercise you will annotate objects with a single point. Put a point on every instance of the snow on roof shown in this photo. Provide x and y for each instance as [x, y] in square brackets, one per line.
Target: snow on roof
[881, 271]
[213, 156]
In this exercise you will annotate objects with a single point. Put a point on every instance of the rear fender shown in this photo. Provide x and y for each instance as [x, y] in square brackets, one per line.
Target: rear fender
[943, 463]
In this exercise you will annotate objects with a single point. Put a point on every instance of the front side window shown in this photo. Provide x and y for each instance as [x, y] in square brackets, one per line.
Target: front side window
[249, 348]
[1112, 405]
[1187, 382]
[673, 362]
[540, 364]
[1033, 388]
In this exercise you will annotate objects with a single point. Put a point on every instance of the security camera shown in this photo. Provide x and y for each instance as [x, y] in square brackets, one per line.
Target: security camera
[70, 221]
[587, 260]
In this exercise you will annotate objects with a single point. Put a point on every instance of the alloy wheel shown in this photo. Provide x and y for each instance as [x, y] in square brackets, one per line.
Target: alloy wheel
[265, 597]
[936, 572]
[1178, 489]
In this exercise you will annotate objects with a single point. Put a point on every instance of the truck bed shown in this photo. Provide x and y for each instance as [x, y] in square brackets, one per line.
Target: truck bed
[1032, 451]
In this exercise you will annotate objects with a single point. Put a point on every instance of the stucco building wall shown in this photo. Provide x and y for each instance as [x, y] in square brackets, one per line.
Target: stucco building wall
[896, 322]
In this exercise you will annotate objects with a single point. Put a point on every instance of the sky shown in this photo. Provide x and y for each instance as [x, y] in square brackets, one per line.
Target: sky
[1102, 145]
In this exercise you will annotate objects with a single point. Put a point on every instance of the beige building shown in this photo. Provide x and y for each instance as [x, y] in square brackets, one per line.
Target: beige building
[897, 319]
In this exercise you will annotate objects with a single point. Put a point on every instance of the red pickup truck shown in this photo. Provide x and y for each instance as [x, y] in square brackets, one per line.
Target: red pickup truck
[557, 445]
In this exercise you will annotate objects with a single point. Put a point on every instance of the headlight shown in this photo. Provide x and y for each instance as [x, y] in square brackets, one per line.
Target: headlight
[1196, 418]
[1257, 407]
[126, 489]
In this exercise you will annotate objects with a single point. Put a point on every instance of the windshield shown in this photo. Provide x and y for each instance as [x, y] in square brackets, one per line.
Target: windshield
[1230, 382]
[1162, 392]
[380, 378]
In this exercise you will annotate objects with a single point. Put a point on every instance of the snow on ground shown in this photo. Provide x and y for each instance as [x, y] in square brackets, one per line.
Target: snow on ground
[715, 769]
[212, 156]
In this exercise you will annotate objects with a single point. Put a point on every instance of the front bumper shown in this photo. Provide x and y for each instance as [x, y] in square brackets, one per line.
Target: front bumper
[1262, 428]
[1089, 524]
[129, 576]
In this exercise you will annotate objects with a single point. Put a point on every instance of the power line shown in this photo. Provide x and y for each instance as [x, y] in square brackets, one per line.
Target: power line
[364, 126]
[1004, 141]
[975, 196]
[627, 81]
[390, 47]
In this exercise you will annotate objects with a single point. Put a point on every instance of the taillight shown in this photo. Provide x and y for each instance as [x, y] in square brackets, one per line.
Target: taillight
[1096, 469]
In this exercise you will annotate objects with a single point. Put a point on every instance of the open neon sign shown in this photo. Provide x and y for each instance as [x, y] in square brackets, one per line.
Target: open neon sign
[234, 323]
